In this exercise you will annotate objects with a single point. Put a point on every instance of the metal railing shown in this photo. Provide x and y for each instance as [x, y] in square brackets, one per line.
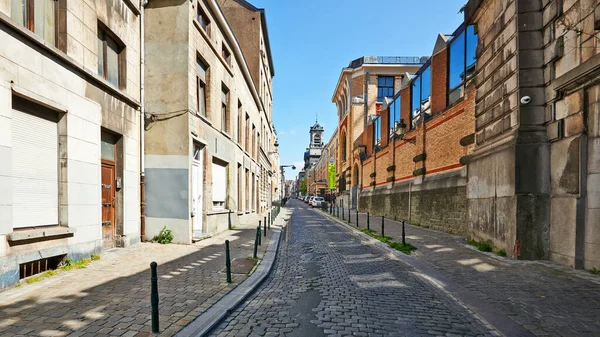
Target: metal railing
[388, 60]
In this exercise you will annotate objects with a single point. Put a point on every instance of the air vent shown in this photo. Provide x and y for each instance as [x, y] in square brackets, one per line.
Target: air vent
[39, 266]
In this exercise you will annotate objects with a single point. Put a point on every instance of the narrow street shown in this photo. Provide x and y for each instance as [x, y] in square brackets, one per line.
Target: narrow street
[328, 281]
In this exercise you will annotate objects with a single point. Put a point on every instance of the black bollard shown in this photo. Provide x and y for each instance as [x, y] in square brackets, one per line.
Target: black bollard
[403, 235]
[343, 214]
[269, 221]
[229, 220]
[227, 261]
[357, 218]
[349, 216]
[368, 221]
[382, 227]
[265, 227]
[256, 237]
[154, 296]
[259, 234]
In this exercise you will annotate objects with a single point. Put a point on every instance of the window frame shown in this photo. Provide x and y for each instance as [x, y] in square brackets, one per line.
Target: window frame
[28, 19]
[418, 77]
[225, 120]
[379, 86]
[201, 13]
[201, 83]
[226, 54]
[121, 71]
[396, 102]
[464, 31]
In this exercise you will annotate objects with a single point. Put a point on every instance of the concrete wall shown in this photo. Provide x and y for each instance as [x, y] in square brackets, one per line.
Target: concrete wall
[65, 79]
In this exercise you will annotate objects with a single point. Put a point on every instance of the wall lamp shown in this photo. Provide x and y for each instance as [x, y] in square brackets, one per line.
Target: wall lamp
[400, 130]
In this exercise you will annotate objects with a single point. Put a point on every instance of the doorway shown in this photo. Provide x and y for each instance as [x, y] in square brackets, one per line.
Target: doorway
[197, 191]
[109, 202]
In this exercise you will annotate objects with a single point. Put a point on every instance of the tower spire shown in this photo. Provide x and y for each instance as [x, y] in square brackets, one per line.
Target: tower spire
[317, 117]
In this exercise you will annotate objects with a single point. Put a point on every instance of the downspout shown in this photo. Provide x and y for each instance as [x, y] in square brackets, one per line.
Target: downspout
[143, 4]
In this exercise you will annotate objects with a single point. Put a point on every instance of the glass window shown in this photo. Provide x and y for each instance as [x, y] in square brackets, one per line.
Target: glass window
[227, 56]
[425, 90]
[377, 130]
[224, 101]
[203, 20]
[107, 146]
[201, 70]
[415, 100]
[461, 62]
[420, 92]
[385, 87]
[39, 16]
[109, 61]
[219, 188]
[394, 114]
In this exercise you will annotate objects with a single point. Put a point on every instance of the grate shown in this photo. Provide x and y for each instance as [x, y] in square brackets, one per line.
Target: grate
[39, 266]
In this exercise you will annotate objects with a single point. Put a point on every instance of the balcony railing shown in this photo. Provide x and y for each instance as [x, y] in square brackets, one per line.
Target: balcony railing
[388, 60]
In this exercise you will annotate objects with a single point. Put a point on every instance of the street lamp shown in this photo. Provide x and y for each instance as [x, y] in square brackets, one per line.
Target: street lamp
[281, 168]
[400, 130]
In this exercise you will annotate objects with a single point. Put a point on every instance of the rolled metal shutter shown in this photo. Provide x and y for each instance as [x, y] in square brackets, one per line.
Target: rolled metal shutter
[34, 170]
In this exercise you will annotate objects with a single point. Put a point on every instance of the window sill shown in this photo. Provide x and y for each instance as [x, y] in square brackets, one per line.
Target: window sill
[53, 51]
[217, 53]
[204, 118]
[40, 234]
[226, 134]
[217, 211]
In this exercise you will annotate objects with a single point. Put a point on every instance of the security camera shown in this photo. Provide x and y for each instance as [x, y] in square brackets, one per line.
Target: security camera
[525, 100]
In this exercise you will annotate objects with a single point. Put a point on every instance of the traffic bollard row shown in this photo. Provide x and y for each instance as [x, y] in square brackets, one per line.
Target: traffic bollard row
[227, 261]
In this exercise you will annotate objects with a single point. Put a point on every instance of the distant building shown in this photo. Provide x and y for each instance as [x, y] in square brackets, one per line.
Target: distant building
[313, 152]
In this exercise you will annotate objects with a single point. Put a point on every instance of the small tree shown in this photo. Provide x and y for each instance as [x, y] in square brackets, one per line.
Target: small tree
[303, 186]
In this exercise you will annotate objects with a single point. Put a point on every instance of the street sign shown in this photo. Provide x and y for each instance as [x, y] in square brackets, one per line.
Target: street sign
[331, 176]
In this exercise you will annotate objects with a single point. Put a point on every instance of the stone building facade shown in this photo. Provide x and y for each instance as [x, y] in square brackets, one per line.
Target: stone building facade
[534, 175]
[69, 131]
[411, 161]
[319, 173]
[209, 136]
[358, 95]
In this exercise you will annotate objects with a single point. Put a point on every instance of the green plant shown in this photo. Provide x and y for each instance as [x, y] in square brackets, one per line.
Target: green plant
[165, 236]
[406, 249]
[425, 227]
[500, 252]
[484, 246]
[594, 271]
[416, 224]
[95, 257]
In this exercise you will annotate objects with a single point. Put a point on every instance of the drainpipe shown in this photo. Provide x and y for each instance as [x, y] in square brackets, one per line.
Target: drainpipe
[143, 4]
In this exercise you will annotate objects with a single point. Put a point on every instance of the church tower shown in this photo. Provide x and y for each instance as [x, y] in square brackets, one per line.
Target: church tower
[313, 152]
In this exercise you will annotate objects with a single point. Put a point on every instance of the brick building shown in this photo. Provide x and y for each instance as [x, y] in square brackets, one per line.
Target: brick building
[411, 156]
[319, 173]
[359, 94]
[534, 175]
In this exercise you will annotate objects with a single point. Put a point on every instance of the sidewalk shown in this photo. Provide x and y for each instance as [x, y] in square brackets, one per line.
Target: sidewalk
[545, 298]
[111, 297]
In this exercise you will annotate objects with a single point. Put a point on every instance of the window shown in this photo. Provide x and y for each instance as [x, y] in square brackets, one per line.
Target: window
[247, 193]
[201, 72]
[377, 132]
[203, 19]
[420, 92]
[247, 135]
[239, 187]
[39, 16]
[224, 101]
[226, 54]
[110, 65]
[385, 87]
[219, 188]
[239, 126]
[394, 115]
[344, 146]
[253, 153]
[461, 62]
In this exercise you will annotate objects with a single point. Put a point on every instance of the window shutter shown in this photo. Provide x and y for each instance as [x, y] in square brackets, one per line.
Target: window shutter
[219, 177]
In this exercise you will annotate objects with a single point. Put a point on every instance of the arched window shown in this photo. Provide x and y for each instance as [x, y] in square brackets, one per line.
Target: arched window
[343, 144]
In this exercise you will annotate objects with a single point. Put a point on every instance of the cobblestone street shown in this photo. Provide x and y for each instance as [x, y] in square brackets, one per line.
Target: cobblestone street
[329, 282]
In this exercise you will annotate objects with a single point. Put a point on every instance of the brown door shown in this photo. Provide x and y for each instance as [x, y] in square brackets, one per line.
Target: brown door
[108, 203]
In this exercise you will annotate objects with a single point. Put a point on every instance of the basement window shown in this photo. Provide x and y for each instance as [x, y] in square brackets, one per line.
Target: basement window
[39, 266]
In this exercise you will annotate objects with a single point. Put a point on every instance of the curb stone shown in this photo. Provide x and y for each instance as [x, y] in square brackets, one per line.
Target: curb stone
[208, 320]
[485, 312]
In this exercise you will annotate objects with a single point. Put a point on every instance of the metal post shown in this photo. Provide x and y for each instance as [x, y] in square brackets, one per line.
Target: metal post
[154, 296]
[229, 220]
[357, 218]
[227, 261]
[256, 237]
[259, 234]
[382, 227]
[368, 221]
[343, 214]
[403, 235]
[265, 227]
[349, 216]
[269, 221]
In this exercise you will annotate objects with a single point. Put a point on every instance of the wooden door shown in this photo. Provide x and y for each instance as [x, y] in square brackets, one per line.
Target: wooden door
[108, 203]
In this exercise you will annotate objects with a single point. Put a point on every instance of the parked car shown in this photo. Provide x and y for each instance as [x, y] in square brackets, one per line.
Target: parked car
[309, 201]
[316, 202]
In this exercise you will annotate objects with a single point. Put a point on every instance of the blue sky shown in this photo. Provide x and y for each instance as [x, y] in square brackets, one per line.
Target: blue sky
[312, 40]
